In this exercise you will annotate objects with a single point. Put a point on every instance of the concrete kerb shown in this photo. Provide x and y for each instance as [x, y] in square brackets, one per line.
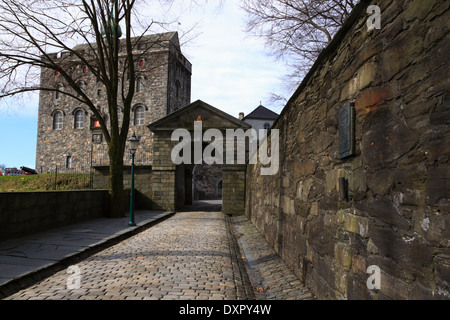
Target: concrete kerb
[30, 278]
[244, 289]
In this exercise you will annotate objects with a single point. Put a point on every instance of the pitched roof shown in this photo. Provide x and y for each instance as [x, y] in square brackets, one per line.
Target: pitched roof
[261, 112]
[185, 117]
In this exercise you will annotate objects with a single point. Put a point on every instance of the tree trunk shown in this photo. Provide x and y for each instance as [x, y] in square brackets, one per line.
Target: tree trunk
[116, 209]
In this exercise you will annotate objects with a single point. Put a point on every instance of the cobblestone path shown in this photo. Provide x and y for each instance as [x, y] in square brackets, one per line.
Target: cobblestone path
[185, 257]
[194, 255]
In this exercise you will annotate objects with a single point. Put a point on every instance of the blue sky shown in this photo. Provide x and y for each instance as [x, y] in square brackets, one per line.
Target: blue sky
[231, 71]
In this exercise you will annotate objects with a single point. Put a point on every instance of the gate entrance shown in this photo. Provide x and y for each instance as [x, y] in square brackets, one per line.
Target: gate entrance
[174, 184]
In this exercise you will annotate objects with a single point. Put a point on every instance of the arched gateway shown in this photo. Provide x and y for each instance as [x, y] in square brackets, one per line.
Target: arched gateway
[198, 133]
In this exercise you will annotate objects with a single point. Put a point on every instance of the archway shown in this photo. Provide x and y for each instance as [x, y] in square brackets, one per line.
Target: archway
[172, 181]
[205, 180]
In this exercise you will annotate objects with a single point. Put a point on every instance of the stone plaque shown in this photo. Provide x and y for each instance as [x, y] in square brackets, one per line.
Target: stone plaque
[97, 138]
[346, 131]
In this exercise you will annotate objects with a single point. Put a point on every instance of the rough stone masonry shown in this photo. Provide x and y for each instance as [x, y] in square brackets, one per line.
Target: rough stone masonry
[387, 204]
[74, 140]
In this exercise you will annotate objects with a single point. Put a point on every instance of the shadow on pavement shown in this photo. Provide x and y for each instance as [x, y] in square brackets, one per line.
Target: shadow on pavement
[203, 206]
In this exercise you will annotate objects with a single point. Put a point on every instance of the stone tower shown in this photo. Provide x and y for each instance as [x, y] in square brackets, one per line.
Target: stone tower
[69, 136]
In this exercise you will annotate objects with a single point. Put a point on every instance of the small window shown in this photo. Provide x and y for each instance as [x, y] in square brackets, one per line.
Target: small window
[79, 119]
[139, 84]
[58, 120]
[69, 162]
[139, 116]
[59, 88]
[177, 89]
[99, 92]
[266, 126]
[81, 85]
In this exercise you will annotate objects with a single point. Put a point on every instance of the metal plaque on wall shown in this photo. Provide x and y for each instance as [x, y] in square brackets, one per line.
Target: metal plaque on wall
[346, 131]
[97, 138]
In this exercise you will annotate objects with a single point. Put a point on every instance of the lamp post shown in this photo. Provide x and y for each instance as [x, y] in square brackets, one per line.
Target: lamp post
[134, 142]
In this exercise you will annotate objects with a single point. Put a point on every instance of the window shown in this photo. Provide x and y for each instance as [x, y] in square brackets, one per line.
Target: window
[58, 121]
[119, 116]
[177, 89]
[139, 116]
[139, 84]
[81, 85]
[69, 162]
[59, 88]
[266, 126]
[79, 119]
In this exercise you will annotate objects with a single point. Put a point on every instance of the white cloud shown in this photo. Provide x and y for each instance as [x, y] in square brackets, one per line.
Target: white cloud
[230, 70]
[25, 105]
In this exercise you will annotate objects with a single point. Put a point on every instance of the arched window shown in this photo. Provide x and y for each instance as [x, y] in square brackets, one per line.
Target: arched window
[139, 84]
[79, 119]
[139, 116]
[58, 120]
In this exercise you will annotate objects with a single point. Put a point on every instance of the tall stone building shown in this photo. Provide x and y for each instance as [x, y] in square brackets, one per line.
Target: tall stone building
[69, 135]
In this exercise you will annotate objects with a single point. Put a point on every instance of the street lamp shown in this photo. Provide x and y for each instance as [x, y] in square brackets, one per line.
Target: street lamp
[134, 142]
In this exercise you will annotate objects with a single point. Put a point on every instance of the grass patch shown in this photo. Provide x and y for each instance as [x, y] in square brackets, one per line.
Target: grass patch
[45, 182]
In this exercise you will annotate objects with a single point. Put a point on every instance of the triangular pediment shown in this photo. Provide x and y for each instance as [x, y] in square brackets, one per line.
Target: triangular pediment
[211, 117]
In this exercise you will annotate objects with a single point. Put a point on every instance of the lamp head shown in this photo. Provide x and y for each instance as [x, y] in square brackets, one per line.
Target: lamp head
[134, 143]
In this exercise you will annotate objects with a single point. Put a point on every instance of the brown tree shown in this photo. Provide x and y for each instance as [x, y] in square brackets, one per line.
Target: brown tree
[34, 32]
[296, 30]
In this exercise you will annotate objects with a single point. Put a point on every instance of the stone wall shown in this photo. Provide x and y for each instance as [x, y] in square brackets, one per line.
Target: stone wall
[233, 189]
[23, 213]
[394, 208]
[142, 184]
[164, 173]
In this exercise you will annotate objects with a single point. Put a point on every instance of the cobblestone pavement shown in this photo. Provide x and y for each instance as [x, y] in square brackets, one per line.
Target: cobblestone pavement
[185, 257]
[269, 275]
[190, 256]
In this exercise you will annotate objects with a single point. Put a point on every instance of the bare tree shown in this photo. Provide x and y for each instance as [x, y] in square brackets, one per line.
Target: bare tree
[296, 30]
[37, 35]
